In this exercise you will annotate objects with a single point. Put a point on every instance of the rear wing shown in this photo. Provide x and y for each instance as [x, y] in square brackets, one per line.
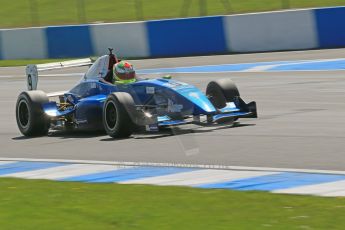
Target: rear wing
[33, 70]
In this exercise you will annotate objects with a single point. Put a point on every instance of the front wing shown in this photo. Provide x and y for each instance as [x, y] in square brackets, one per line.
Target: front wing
[232, 111]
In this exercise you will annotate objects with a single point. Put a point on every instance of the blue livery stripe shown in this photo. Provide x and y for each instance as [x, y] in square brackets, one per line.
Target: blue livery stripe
[227, 115]
[174, 122]
[26, 166]
[330, 27]
[127, 174]
[189, 36]
[276, 181]
[69, 41]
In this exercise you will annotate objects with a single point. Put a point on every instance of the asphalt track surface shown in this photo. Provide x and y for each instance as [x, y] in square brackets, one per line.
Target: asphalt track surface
[301, 120]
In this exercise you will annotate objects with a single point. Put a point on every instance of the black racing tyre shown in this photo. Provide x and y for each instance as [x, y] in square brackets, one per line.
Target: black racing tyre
[116, 119]
[31, 119]
[221, 91]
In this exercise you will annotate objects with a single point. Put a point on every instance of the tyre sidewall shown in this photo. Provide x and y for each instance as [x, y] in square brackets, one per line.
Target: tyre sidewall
[26, 100]
[38, 122]
[124, 126]
[222, 91]
[217, 96]
[111, 100]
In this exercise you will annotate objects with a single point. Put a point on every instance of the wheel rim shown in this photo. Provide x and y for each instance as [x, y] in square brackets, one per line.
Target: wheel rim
[110, 115]
[23, 114]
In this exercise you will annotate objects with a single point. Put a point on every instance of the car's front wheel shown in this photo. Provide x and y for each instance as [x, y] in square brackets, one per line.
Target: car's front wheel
[221, 91]
[116, 120]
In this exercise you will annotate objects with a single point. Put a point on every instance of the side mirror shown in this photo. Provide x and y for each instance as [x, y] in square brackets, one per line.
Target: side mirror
[167, 77]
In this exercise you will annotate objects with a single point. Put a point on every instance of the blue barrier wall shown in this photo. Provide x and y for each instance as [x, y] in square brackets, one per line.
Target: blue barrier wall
[330, 27]
[69, 41]
[269, 31]
[191, 36]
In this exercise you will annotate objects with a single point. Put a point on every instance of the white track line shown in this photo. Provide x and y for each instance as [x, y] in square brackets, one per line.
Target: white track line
[336, 194]
[198, 177]
[260, 68]
[153, 164]
[6, 162]
[63, 171]
[322, 189]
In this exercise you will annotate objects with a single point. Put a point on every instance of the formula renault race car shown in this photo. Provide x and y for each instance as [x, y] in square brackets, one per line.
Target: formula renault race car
[121, 108]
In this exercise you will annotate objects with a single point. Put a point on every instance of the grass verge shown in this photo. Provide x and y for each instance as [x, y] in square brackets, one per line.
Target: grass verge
[50, 12]
[38, 204]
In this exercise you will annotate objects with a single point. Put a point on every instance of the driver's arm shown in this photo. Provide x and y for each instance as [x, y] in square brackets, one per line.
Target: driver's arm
[107, 78]
[105, 82]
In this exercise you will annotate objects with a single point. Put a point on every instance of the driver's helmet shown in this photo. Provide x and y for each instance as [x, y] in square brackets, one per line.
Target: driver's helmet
[124, 72]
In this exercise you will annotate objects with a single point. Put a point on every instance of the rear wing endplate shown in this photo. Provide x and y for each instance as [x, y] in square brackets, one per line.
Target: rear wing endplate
[33, 70]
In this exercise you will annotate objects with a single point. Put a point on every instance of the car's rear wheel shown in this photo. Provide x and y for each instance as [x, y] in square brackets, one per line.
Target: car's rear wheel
[116, 120]
[221, 91]
[31, 119]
